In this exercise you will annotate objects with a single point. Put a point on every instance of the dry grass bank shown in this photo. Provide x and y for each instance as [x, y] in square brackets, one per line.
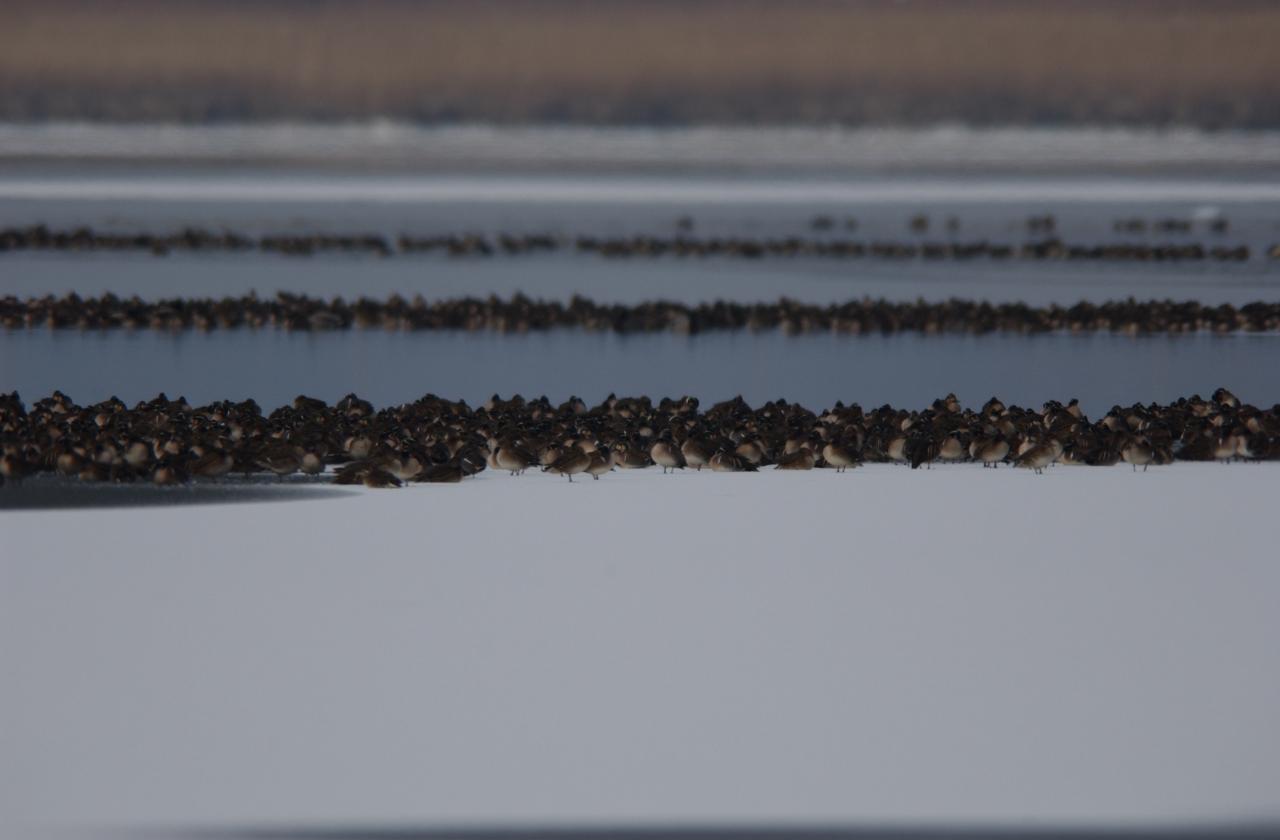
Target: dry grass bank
[1208, 62]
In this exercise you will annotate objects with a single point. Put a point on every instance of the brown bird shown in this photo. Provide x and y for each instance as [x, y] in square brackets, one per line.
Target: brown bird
[666, 455]
[1037, 457]
[569, 464]
[801, 459]
[696, 453]
[600, 463]
[990, 451]
[839, 456]
[1138, 452]
[450, 473]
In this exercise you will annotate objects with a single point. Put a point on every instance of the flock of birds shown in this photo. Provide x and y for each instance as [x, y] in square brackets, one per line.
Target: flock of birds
[1044, 245]
[436, 440]
[522, 314]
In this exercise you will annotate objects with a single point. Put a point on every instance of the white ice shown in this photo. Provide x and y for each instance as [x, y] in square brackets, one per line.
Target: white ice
[1090, 646]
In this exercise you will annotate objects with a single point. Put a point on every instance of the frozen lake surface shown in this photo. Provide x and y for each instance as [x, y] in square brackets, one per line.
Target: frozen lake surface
[951, 646]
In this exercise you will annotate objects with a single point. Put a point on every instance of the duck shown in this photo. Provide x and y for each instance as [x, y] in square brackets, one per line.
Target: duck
[752, 450]
[666, 455]
[729, 461]
[801, 459]
[379, 478]
[1037, 456]
[630, 458]
[281, 459]
[14, 468]
[696, 453]
[839, 456]
[570, 463]
[921, 449]
[600, 463]
[1138, 452]
[447, 473]
[989, 450]
[215, 463]
[953, 448]
[513, 458]
[169, 472]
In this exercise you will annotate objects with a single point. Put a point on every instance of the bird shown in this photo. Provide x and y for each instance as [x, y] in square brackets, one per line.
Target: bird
[570, 463]
[801, 459]
[666, 455]
[840, 456]
[989, 450]
[1138, 452]
[696, 453]
[600, 462]
[1037, 457]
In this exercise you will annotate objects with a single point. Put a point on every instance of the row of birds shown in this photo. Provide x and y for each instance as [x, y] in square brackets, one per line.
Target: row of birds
[436, 440]
[1042, 223]
[42, 238]
[522, 314]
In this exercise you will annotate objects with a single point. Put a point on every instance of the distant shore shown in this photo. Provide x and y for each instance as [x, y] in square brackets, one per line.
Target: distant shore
[1207, 63]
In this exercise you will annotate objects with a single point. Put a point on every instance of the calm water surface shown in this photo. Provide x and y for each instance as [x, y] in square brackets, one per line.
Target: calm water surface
[388, 368]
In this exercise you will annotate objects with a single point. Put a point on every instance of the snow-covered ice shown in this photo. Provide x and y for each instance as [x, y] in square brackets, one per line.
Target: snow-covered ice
[956, 644]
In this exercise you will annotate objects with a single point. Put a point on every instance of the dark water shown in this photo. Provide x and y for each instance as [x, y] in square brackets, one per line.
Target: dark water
[388, 368]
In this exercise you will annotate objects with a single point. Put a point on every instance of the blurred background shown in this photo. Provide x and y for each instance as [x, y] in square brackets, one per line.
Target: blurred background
[1204, 63]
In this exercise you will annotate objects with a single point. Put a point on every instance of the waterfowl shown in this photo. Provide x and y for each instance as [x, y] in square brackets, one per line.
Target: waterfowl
[213, 464]
[1226, 447]
[751, 450]
[666, 455]
[519, 313]
[69, 462]
[629, 458]
[839, 456]
[281, 459]
[600, 463]
[549, 454]
[1037, 457]
[1225, 398]
[1138, 452]
[696, 453]
[801, 459]
[570, 463]
[952, 448]
[452, 441]
[13, 467]
[513, 458]
[896, 450]
[726, 461]
[168, 472]
[921, 449]
[95, 471]
[406, 468]
[312, 463]
[137, 455]
[990, 450]
[378, 478]
[448, 473]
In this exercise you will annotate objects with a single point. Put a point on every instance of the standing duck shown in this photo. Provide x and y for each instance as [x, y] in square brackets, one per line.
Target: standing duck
[570, 463]
[840, 456]
[665, 454]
